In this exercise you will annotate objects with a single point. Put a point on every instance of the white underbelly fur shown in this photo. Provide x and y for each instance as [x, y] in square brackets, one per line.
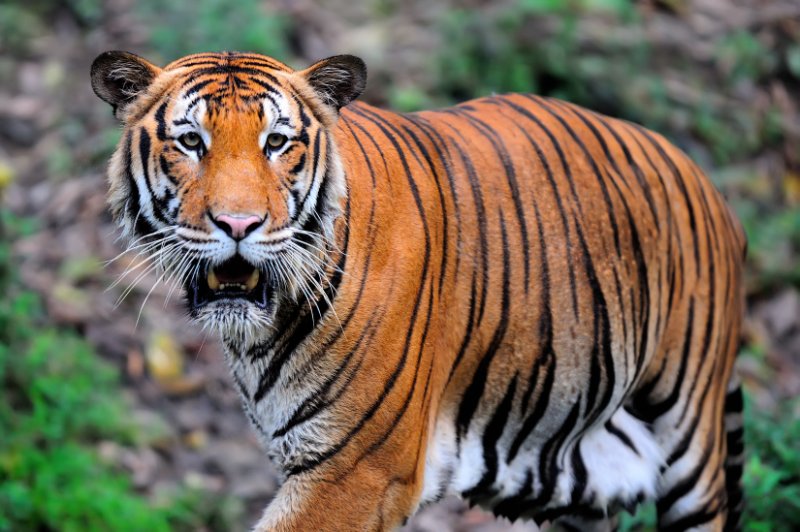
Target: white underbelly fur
[615, 472]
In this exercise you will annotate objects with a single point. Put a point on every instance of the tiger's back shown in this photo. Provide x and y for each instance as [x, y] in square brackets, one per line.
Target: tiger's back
[514, 300]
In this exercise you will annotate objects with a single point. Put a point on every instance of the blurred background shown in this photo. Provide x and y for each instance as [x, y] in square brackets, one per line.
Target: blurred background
[118, 415]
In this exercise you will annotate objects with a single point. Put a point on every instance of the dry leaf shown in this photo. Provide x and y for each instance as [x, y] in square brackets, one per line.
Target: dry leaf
[164, 357]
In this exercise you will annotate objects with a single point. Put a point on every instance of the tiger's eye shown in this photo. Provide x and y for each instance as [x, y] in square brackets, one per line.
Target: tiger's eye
[191, 140]
[276, 140]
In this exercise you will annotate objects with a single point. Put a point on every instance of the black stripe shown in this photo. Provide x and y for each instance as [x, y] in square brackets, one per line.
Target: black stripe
[142, 226]
[633, 165]
[601, 346]
[707, 336]
[161, 122]
[395, 422]
[158, 205]
[668, 212]
[301, 163]
[317, 402]
[621, 436]
[549, 468]
[196, 87]
[270, 89]
[315, 156]
[192, 64]
[470, 326]
[624, 319]
[557, 145]
[580, 475]
[546, 355]
[228, 69]
[683, 445]
[539, 409]
[692, 520]
[643, 405]
[733, 401]
[166, 170]
[474, 392]
[491, 435]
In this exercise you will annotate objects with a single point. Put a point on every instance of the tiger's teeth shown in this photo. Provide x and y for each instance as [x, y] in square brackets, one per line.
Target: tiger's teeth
[213, 282]
[252, 281]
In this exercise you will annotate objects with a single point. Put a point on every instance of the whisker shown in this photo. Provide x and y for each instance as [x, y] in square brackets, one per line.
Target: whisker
[133, 267]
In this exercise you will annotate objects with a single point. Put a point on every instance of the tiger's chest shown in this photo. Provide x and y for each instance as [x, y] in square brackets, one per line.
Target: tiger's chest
[275, 404]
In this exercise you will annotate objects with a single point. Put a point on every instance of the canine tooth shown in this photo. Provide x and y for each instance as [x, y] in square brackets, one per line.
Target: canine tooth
[252, 281]
[213, 282]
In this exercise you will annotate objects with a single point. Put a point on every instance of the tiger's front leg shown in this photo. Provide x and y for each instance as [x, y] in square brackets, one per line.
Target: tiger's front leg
[369, 497]
[353, 467]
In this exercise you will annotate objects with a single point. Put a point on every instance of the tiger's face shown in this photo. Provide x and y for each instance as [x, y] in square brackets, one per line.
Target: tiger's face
[227, 175]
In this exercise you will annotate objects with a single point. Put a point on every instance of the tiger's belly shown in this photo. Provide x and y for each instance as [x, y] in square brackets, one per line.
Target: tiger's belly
[610, 465]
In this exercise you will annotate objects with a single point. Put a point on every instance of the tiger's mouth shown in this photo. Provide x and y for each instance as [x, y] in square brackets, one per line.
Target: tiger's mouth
[234, 279]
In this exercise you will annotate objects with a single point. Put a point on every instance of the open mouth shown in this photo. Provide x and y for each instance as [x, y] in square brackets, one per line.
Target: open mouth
[233, 279]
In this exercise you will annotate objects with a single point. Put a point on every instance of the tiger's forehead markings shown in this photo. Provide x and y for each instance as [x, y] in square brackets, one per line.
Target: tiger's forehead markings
[240, 82]
[235, 58]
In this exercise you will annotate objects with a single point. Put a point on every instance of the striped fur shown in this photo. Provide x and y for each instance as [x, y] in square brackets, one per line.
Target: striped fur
[515, 299]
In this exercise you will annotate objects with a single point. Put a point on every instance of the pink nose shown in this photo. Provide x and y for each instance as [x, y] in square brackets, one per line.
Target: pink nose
[238, 226]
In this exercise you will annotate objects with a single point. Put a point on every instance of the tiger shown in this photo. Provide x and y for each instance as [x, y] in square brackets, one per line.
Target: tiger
[514, 300]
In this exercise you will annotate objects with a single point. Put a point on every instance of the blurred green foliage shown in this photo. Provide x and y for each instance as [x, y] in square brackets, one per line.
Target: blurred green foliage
[772, 470]
[58, 400]
[645, 519]
[180, 28]
[18, 25]
[773, 237]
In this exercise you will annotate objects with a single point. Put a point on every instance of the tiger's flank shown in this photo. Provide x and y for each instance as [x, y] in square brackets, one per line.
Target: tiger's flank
[515, 300]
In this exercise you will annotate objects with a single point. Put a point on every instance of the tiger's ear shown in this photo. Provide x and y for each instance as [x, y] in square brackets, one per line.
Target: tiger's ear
[337, 80]
[119, 77]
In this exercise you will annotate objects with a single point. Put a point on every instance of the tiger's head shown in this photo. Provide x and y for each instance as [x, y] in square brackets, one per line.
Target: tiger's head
[227, 175]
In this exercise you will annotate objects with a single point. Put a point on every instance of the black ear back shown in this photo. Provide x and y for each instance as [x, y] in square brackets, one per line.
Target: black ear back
[337, 80]
[119, 77]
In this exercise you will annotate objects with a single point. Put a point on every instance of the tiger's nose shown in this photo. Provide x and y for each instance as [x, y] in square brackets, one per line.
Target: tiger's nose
[237, 226]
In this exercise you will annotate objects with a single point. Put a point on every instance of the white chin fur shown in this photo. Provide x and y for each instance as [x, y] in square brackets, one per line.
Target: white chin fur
[235, 320]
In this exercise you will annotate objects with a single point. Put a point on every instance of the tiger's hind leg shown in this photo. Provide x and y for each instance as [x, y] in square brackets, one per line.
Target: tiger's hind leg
[695, 485]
